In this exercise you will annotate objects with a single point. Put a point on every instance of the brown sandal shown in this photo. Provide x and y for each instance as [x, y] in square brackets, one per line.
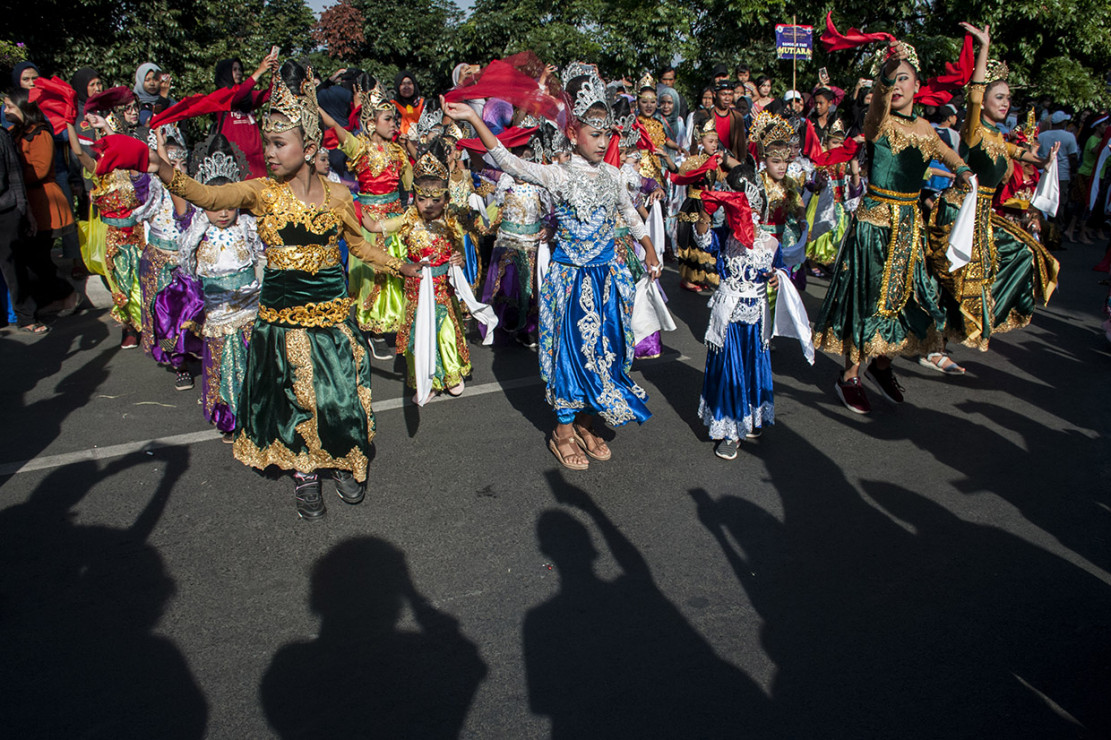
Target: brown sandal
[598, 441]
[553, 444]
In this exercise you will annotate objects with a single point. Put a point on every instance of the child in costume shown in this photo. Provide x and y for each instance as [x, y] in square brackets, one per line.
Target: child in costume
[305, 405]
[586, 337]
[785, 209]
[381, 166]
[829, 210]
[221, 249]
[432, 238]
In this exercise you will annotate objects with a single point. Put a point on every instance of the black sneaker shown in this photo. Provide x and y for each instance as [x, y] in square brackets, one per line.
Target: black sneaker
[886, 381]
[349, 489]
[184, 381]
[726, 449]
[310, 504]
[380, 348]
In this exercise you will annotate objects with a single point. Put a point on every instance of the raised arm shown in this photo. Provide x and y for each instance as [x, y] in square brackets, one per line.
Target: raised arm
[538, 174]
[880, 106]
[973, 130]
[75, 147]
[209, 197]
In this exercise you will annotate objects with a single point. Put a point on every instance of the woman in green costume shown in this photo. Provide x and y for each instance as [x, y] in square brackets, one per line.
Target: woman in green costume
[881, 300]
[305, 404]
[996, 290]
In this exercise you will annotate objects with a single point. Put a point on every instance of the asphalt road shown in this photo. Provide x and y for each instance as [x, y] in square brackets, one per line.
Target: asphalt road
[937, 570]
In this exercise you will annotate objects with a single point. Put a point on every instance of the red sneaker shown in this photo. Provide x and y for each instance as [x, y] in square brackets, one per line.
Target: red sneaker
[851, 393]
[130, 340]
[886, 381]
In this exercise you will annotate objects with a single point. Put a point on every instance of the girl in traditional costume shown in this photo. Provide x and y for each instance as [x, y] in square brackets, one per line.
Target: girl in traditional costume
[785, 210]
[380, 165]
[305, 405]
[881, 300]
[586, 337]
[116, 195]
[699, 172]
[829, 211]
[433, 238]
[995, 291]
[221, 248]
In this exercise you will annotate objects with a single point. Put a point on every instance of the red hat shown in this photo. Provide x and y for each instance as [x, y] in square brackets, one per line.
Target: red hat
[110, 99]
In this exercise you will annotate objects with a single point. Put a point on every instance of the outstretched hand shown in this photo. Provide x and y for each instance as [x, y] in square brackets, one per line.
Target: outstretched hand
[982, 35]
[458, 111]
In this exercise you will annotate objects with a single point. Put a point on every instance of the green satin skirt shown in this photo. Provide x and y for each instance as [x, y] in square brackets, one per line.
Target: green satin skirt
[881, 300]
[306, 403]
[1027, 274]
[379, 296]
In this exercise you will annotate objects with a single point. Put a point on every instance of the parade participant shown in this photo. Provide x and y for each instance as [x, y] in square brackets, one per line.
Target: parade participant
[166, 217]
[785, 211]
[586, 339]
[840, 188]
[305, 405]
[434, 238]
[116, 195]
[968, 292]
[699, 172]
[238, 125]
[381, 166]
[650, 161]
[736, 399]
[881, 300]
[512, 280]
[221, 248]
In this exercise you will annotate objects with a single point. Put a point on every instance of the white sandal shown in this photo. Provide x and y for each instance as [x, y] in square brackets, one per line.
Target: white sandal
[943, 364]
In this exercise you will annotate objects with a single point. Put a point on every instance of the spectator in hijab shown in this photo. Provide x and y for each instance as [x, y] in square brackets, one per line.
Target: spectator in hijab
[24, 75]
[667, 80]
[152, 88]
[408, 100]
[13, 210]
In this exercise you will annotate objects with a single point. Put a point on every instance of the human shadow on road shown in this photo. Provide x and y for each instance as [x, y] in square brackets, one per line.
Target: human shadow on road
[364, 676]
[25, 365]
[888, 616]
[616, 658]
[78, 607]
[511, 364]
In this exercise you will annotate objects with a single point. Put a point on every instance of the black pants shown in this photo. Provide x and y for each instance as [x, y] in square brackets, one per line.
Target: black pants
[44, 283]
[14, 272]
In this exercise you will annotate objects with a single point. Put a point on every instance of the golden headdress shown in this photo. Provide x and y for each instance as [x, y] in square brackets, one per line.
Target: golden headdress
[708, 127]
[836, 129]
[772, 134]
[647, 82]
[880, 58]
[299, 107]
[1027, 132]
[430, 167]
[997, 71]
[454, 131]
[371, 103]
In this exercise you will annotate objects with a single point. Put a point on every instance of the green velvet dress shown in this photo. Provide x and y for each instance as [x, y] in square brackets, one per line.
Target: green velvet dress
[305, 403]
[996, 290]
[881, 299]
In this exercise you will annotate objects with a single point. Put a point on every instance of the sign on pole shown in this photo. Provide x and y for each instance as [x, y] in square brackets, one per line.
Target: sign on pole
[794, 42]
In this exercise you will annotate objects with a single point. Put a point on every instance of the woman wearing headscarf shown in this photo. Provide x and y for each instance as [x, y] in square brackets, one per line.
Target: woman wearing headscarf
[238, 125]
[408, 100]
[150, 88]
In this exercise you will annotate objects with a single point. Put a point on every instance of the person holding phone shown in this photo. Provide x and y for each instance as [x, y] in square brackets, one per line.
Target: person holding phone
[152, 89]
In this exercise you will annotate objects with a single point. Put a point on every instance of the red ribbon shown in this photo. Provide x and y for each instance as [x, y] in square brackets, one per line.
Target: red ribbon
[511, 137]
[120, 152]
[501, 80]
[738, 213]
[57, 100]
[695, 175]
[834, 40]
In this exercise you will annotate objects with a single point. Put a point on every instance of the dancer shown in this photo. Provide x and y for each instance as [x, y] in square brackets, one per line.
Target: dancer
[785, 209]
[586, 340]
[997, 285]
[431, 237]
[116, 195]
[166, 217]
[221, 249]
[829, 211]
[881, 300]
[305, 405]
[736, 399]
[699, 172]
[511, 281]
[380, 165]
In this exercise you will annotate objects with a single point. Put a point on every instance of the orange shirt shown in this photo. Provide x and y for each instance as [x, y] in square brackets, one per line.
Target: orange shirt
[46, 200]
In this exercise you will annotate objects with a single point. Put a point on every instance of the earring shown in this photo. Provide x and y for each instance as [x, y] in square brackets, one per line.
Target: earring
[308, 157]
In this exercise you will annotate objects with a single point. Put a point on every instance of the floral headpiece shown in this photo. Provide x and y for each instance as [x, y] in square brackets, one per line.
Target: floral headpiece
[430, 167]
[299, 107]
[883, 53]
[997, 71]
[772, 133]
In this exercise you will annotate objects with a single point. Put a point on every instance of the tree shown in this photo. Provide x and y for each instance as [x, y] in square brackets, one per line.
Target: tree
[340, 31]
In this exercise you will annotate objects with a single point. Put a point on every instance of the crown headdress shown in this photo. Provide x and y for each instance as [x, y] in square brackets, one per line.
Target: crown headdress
[647, 82]
[1029, 131]
[837, 128]
[578, 69]
[299, 107]
[430, 167]
[429, 125]
[215, 159]
[455, 131]
[773, 133]
[708, 127]
[555, 141]
[626, 128]
[881, 55]
[217, 165]
[997, 71]
[592, 94]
